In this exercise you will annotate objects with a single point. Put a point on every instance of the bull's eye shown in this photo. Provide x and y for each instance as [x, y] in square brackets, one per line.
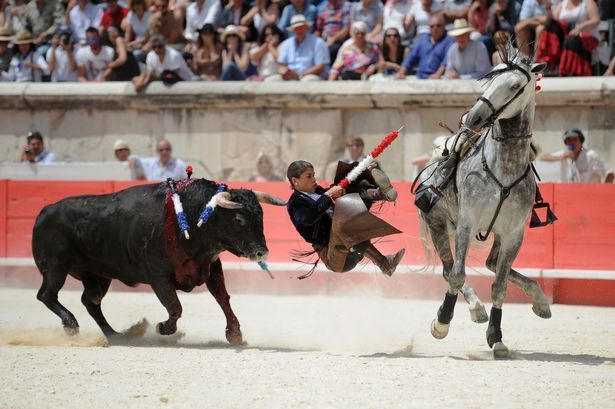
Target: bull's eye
[240, 219]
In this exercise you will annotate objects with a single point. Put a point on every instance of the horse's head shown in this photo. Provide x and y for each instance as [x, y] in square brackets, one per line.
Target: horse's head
[511, 86]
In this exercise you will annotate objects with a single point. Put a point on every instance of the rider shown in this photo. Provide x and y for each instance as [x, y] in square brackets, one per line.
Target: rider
[311, 210]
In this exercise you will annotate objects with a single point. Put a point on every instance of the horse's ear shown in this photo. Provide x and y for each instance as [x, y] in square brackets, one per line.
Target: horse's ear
[538, 67]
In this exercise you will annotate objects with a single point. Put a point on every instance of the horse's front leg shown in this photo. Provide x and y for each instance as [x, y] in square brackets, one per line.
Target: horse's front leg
[456, 281]
[507, 254]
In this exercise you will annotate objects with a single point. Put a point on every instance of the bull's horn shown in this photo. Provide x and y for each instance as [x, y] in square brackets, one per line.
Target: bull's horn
[267, 198]
[224, 200]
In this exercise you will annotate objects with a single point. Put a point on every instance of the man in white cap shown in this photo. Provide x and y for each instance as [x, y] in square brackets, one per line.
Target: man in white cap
[304, 56]
[121, 150]
[467, 58]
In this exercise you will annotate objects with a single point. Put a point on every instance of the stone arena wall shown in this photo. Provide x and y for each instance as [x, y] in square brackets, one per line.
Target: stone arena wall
[221, 127]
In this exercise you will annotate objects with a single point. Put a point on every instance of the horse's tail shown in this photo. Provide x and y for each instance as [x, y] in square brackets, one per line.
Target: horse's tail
[429, 251]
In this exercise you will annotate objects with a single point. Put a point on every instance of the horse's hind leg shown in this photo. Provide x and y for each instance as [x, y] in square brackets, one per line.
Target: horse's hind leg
[530, 287]
[94, 289]
[54, 275]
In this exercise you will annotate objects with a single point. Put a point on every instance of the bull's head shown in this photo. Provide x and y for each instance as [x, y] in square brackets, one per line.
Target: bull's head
[238, 222]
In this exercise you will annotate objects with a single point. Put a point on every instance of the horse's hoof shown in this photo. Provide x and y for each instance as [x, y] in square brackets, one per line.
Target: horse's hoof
[439, 330]
[478, 313]
[542, 310]
[72, 331]
[163, 328]
[500, 351]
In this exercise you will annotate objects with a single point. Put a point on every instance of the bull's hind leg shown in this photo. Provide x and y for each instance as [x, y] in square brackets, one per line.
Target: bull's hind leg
[94, 289]
[217, 288]
[54, 276]
[540, 302]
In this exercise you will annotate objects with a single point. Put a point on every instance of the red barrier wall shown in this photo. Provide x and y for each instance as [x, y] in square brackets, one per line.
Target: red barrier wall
[582, 239]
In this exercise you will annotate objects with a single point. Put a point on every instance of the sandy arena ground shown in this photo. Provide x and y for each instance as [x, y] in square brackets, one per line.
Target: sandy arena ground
[302, 352]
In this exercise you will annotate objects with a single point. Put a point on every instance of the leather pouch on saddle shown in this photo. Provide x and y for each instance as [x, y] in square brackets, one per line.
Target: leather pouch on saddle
[352, 224]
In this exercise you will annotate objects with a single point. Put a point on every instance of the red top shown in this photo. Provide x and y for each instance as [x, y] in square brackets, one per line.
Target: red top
[109, 18]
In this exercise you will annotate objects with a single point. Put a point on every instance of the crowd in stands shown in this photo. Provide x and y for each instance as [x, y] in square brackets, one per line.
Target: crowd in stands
[278, 40]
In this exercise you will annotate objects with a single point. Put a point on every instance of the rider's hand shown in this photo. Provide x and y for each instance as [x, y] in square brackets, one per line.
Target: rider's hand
[335, 191]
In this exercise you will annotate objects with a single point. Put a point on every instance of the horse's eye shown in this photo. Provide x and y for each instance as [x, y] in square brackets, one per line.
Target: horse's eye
[515, 86]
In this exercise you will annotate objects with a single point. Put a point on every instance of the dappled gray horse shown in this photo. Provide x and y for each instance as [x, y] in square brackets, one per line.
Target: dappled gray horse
[492, 190]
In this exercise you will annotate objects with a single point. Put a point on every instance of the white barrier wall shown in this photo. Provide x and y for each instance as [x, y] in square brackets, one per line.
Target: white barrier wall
[220, 128]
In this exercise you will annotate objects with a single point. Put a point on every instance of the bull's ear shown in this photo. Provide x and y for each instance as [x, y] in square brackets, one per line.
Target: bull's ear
[224, 200]
[269, 199]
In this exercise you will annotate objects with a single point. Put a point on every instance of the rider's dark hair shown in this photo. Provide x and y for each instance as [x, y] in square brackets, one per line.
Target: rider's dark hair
[295, 170]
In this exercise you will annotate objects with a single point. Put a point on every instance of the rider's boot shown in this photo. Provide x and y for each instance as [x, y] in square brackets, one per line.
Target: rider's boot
[385, 190]
[387, 264]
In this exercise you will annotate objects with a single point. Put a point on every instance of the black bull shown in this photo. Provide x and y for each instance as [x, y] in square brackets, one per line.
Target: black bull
[132, 236]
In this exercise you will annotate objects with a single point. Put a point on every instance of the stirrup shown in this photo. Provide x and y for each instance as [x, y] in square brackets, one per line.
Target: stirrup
[535, 220]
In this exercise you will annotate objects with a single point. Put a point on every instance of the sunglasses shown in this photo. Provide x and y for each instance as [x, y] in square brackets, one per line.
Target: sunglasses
[435, 25]
[164, 149]
[158, 47]
[353, 145]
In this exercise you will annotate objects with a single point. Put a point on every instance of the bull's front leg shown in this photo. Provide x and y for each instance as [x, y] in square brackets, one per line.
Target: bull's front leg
[217, 288]
[165, 290]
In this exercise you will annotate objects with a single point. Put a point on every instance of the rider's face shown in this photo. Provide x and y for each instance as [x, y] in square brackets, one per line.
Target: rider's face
[306, 182]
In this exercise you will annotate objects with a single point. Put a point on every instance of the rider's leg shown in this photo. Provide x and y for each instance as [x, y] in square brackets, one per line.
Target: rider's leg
[387, 264]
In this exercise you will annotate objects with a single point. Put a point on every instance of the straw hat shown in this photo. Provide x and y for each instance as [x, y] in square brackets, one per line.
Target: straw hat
[298, 20]
[232, 30]
[120, 144]
[23, 37]
[460, 27]
[5, 34]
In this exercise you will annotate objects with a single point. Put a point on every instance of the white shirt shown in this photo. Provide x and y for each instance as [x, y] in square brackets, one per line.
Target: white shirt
[18, 73]
[139, 25]
[267, 66]
[195, 19]
[153, 169]
[421, 17]
[394, 15]
[586, 168]
[173, 61]
[62, 71]
[80, 20]
[95, 64]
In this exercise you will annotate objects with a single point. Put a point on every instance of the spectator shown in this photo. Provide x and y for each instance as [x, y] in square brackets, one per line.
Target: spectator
[44, 17]
[165, 23]
[207, 59]
[113, 15]
[501, 39]
[394, 13]
[264, 170]
[583, 165]
[34, 151]
[355, 147]
[234, 14]
[6, 52]
[467, 58]
[235, 56]
[421, 161]
[533, 16]
[420, 13]
[303, 7]
[265, 55]
[611, 67]
[455, 9]
[199, 13]
[81, 16]
[121, 150]
[304, 56]
[61, 58]
[478, 16]
[94, 58]
[333, 25]
[371, 13]
[164, 166]
[15, 16]
[27, 65]
[576, 22]
[499, 17]
[392, 53]
[263, 13]
[163, 63]
[135, 26]
[124, 66]
[430, 53]
[357, 60]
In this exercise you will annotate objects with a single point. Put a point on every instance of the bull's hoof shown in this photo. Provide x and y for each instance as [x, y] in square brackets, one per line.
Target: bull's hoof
[234, 337]
[478, 313]
[72, 331]
[500, 351]
[439, 330]
[166, 328]
[542, 310]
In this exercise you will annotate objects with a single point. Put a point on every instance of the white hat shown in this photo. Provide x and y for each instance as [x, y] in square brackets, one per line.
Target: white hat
[120, 144]
[460, 27]
[298, 20]
[232, 30]
[359, 26]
